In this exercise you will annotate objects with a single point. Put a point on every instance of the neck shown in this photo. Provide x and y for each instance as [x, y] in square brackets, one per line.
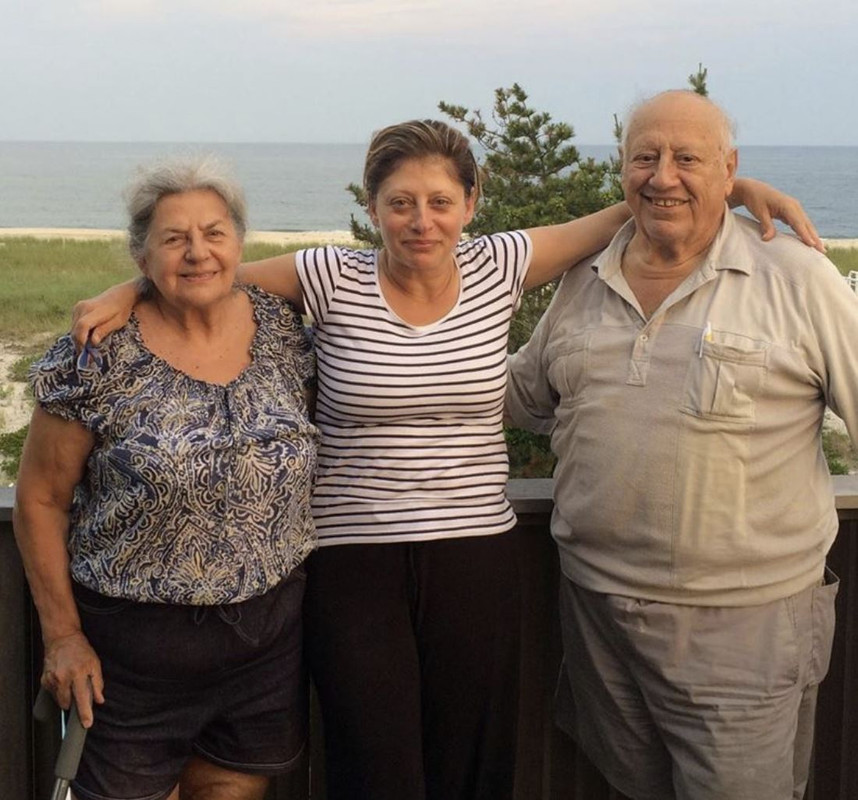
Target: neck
[416, 296]
[652, 273]
[422, 285]
[199, 322]
[648, 260]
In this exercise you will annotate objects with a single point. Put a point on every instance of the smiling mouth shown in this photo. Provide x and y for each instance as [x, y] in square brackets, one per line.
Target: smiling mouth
[666, 202]
[198, 276]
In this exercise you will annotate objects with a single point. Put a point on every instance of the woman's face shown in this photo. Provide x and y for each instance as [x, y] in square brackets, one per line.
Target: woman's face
[192, 249]
[420, 209]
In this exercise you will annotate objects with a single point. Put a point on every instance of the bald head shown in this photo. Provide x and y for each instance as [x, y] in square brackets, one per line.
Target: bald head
[687, 103]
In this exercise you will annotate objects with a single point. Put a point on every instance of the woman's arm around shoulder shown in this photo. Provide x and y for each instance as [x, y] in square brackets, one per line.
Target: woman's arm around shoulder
[93, 319]
[52, 463]
[767, 203]
[557, 247]
[276, 275]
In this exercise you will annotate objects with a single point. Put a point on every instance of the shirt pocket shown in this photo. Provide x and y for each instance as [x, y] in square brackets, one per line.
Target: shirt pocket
[725, 379]
[568, 365]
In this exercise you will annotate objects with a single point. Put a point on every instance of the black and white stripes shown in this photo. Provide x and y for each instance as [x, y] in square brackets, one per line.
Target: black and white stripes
[411, 417]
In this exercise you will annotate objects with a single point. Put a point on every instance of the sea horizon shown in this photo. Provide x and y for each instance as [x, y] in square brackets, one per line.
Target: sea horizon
[298, 187]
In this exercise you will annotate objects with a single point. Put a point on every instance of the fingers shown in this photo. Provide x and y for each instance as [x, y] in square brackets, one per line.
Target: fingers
[97, 685]
[73, 670]
[59, 689]
[812, 239]
[767, 226]
[81, 325]
[794, 215]
[83, 693]
[806, 232]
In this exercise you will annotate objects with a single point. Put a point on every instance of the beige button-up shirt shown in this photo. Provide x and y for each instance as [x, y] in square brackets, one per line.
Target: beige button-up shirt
[690, 466]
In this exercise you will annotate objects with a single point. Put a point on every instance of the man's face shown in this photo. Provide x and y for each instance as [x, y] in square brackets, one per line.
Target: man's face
[676, 173]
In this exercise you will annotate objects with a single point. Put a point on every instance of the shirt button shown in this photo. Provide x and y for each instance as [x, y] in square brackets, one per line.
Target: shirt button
[644, 337]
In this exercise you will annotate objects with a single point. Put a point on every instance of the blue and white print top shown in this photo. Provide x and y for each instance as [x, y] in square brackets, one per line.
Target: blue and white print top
[194, 493]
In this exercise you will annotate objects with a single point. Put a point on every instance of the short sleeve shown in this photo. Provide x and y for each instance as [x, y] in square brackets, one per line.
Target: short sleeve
[65, 388]
[285, 334]
[511, 252]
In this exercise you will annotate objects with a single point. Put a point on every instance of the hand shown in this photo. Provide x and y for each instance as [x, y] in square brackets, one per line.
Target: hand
[767, 203]
[71, 667]
[95, 318]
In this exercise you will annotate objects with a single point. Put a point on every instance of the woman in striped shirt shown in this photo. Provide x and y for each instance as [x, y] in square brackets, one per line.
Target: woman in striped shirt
[412, 608]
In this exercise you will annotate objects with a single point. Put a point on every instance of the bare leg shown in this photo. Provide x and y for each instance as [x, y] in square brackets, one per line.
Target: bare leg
[202, 780]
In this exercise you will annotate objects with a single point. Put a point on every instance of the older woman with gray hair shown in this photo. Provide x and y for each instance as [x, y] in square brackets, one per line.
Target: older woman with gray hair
[163, 513]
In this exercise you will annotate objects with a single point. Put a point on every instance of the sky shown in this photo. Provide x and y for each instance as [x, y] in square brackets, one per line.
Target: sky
[335, 70]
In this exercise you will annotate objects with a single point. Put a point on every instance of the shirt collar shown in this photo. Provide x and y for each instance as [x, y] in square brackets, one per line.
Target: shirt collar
[727, 251]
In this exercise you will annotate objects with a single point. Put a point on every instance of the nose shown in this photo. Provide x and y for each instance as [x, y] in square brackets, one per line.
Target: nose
[196, 248]
[420, 217]
[664, 172]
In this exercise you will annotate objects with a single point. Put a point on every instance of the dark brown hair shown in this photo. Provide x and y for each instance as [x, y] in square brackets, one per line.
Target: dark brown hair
[419, 138]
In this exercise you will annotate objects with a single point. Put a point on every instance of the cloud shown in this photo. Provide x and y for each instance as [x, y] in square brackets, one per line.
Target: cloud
[418, 19]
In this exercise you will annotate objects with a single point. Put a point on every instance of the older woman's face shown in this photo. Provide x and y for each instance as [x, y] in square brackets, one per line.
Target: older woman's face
[193, 249]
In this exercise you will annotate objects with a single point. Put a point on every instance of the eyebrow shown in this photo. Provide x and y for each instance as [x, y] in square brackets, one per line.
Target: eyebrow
[206, 227]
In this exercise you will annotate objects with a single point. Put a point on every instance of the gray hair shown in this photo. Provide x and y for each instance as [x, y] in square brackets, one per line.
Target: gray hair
[726, 126]
[175, 176]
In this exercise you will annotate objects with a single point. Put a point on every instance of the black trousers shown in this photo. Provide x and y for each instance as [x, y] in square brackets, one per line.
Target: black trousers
[414, 650]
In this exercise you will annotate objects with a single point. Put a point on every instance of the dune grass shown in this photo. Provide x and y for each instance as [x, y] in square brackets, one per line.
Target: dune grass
[846, 258]
[41, 279]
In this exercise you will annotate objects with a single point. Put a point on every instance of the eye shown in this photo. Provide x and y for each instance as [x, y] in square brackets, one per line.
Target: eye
[686, 159]
[173, 239]
[645, 159]
[216, 233]
[442, 202]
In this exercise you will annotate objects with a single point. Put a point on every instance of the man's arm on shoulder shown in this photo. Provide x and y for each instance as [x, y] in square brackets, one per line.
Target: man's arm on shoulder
[530, 397]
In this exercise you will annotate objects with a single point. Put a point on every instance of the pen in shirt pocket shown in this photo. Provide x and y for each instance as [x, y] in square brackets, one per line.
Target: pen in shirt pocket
[706, 336]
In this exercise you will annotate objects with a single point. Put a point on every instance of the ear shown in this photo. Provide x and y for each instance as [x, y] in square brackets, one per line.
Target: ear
[143, 266]
[373, 213]
[470, 206]
[731, 163]
[621, 155]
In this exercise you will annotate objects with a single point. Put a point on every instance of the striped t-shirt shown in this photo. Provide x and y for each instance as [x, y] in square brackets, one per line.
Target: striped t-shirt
[411, 416]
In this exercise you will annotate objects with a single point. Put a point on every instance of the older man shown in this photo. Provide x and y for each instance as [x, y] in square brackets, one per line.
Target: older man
[683, 379]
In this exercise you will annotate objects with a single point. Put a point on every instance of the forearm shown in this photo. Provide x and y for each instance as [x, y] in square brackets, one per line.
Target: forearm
[41, 535]
[595, 231]
[557, 247]
[276, 275]
[766, 203]
[743, 189]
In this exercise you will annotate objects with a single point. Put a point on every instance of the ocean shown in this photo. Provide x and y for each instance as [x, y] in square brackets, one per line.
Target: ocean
[301, 187]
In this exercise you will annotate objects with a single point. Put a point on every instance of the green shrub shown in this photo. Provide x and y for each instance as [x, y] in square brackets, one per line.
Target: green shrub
[530, 454]
[11, 445]
[841, 456]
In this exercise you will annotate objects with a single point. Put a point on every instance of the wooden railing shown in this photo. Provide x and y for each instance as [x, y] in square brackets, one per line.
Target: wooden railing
[548, 764]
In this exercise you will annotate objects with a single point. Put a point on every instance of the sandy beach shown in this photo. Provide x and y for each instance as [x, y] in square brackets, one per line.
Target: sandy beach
[268, 237]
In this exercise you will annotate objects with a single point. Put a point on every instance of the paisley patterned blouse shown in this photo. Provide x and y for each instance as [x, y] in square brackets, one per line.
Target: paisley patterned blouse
[194, 493]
